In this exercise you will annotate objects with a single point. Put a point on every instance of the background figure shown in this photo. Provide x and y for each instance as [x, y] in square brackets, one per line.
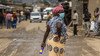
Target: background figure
[75, 22]
[49, 16]
[97, 21]
[1, 20]
[87, 17]
[8, 20]
[18, 16]
[67, 11]
[22, 15]
[26, 15]
[14, 21]
[29, 14]
[41, 10]
[4, 21]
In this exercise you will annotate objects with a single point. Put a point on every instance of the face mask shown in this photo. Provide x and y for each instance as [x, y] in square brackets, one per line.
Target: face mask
[61, 15]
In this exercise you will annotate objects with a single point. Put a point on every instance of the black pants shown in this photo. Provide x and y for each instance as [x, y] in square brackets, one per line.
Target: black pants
[75, 29]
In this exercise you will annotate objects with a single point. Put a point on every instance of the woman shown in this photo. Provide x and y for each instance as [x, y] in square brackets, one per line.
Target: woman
[56, 30]
[8, 20]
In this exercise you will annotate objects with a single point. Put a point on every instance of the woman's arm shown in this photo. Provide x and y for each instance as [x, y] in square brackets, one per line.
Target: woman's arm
[59, 27]
[45, 36]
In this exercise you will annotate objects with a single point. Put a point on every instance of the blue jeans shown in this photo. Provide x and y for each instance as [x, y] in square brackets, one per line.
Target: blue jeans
[14, 23]
[8, 24]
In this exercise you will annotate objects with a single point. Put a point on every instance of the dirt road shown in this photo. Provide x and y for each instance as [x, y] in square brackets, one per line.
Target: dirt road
[26, 40]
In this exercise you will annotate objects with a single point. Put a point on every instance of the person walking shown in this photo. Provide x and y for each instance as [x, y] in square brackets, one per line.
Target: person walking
[8, 20]
[1, 20]
[87, 17]
[75, 22]
[56, 30]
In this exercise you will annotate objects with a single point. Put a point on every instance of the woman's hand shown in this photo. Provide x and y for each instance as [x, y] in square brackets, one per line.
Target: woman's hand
[43, 44]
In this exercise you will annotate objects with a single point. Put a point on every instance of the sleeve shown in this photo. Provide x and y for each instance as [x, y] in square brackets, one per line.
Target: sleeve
[49, 22]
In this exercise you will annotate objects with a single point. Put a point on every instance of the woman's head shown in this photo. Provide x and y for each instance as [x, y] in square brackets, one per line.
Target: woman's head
[57, 10]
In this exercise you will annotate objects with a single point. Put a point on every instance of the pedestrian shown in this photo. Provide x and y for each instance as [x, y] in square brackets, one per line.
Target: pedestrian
[86, 19]
[56, 30]
[1, 20]
[67, 12]
[8, 20]
[28, 14]
[14, 20]
[97, 21]
[75, 22]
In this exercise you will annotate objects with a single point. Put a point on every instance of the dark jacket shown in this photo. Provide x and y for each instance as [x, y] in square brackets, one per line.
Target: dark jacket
[87, 17]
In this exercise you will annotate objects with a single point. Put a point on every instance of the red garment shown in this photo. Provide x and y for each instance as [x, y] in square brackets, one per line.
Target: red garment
[58, 9]
[14, 16]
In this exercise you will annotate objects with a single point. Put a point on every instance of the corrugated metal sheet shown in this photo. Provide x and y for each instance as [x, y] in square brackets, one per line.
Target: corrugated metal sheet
[26, 1]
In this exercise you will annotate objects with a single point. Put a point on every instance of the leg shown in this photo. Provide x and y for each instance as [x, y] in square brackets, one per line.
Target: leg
[88, 28]
[75, 29]
[7, 24]
[15, 23]
[85, 28]
[12, 24]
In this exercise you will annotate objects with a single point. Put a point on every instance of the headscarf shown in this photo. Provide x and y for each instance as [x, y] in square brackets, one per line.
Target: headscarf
[58, 9]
